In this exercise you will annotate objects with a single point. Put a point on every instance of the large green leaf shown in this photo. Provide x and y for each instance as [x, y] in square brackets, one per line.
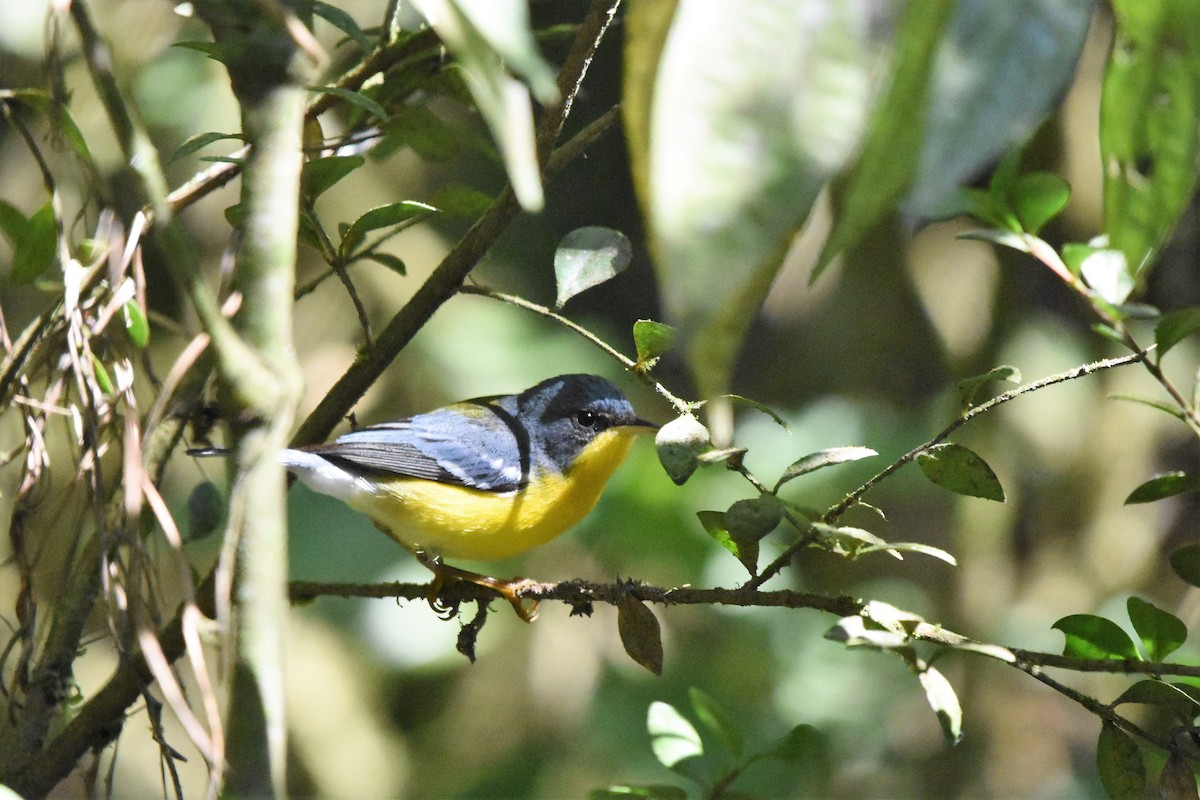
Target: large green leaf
[893, 145]
[1090, 636]
[1002, 67]
[756, 105]
[487, 43]
[1149, 117]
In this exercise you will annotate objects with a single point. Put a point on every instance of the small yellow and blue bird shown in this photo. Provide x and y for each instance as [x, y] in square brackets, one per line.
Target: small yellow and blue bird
[483, 479]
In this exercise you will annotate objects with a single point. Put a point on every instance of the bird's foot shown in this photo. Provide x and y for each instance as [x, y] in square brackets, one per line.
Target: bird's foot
[510, 589]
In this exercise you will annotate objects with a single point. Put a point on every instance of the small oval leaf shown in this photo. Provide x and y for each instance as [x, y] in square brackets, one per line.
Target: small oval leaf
[1161, 633]
[1090, 636]
[968, 388]
[751, 520]
[944, 702]
[745, 552]
[651, 339]
[672, 737]
[823, 458]
[640, 635]
[320, 175]
[135, 323]
[1168, 485]
[1173, 328]
[957, 469]
[1039, 197]
[587, 257]
[36, 250]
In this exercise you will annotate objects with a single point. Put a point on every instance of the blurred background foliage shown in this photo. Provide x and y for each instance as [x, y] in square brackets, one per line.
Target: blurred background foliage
[381, 705]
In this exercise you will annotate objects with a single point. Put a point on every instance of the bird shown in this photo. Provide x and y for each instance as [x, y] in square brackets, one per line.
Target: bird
[482, 479]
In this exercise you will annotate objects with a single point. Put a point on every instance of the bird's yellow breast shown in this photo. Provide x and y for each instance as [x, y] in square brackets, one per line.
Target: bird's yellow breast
[458, 522]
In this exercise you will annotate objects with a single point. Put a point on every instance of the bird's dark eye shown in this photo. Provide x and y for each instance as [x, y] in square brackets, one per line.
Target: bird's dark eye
[589, 419]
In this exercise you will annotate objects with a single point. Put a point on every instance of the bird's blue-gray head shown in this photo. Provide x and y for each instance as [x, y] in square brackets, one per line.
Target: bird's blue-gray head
[566, 413]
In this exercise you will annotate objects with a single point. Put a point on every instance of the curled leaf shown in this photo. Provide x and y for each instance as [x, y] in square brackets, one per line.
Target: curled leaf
[680, 443]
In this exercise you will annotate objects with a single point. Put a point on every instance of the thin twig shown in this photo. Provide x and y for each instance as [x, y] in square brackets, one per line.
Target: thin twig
[681, 406]
[849, 500]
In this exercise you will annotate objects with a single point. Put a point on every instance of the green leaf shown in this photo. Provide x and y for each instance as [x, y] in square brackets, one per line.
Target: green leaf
[1173, 328]
[821, 459]
[855, 632]
[1122, 771]
[1090, 636]
[770, 120]
[1039, 197]
[1004, 238]
[893, 143]
[394, 263]
[968, 388]
[426, 133]
[502, 100]
[136, 325]
[640, 633]
[1149, 114]
[672, 738]
[800, 742]
[751, 520]
[12, 223]
[750, 402]
[588, 257]
[1155, 404]
[745, 552]
[1167, 485]
[505, 26]
[1001, 69]
[216, 52]
[957, 469]
[944, 702]
[405, 213]
[896, 548]
[100, 373]
[38, 248]
[344, 23]
[356, 99]
[462, 201]
[199, 142]
[320, 175]
[647, 23]
[848, 540]
[718, 720]
[1186, 563]
[1157, 693]
[892, 617]
[651, 339]
[1106, 272]
[1161, 633]
[679, 444]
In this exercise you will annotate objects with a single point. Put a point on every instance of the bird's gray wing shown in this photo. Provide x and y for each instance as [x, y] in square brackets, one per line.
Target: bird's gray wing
[473, 444]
